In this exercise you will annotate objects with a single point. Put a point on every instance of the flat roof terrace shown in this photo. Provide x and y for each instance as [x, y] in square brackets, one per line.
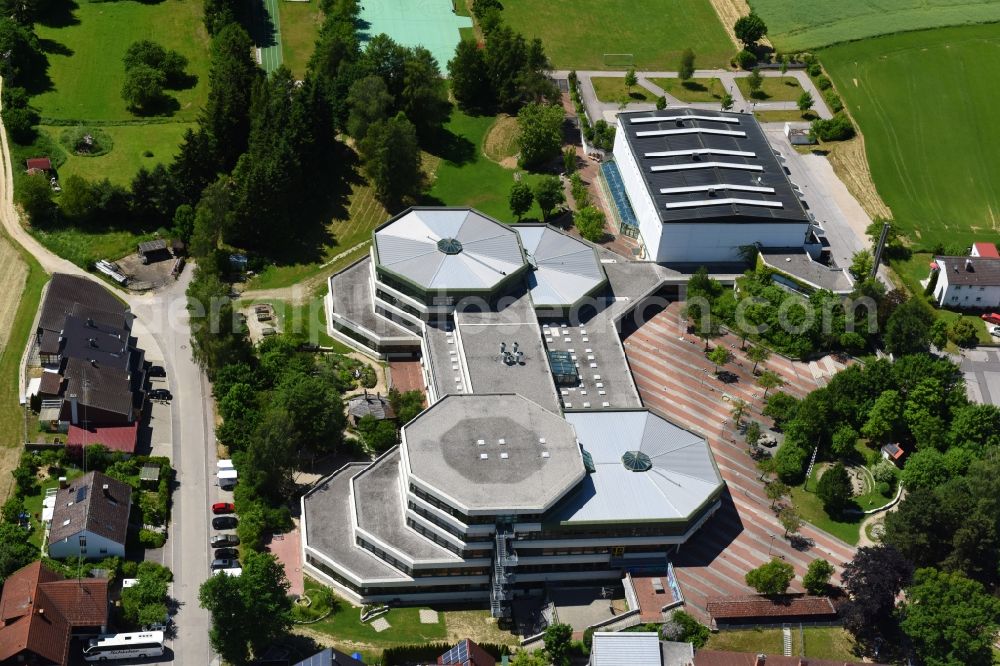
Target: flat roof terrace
[596, 351]
[352, 298]
[493, 454]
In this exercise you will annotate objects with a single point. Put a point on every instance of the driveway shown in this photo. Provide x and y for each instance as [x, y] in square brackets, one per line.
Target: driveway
[162, 329]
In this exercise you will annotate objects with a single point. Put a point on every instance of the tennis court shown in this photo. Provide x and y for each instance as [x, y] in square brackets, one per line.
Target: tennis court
[429, 23]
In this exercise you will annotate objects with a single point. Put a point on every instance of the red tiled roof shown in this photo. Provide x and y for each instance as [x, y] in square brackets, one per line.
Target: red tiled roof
[752, 606]
[987, 250]
[31, 621]
[51, 383]
[718, 658]
[42, 163]
[83, 602]
[116, 438]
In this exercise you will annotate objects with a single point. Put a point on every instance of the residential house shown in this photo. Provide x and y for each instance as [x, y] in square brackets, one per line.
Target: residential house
[466, 653]
[965, 283]
[331, 657]
[40, 612]
[90, 518]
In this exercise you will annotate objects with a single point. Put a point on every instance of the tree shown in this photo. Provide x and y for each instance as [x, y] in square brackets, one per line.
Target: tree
[558, 640]
[392, 160]
[23, 57]
[540, 133]
[549, 194]
[805, 101]
[406, 405]
[817, 577]
[631, 80]
[939, 333]
[259, 593]
[775, 490]
[231, 78]
[589, 221]
[719, 356]
[752, 434]
[317, 413]
[526, 658]
[835, 489]
[424, 98]
[884, 417]
[872, 580]
[862, 264]
[520, 199]
[470, 83]
[789, 519]
[737, 409]
[950, 619]
[843, 441]
[727, 102]
[378, 435]
[758, 354]
[661, 103]
[963, 333]
[781, 407]
[838, 128]
[35, 196]
[769, 380]
[772, 578]
[684, 628]
[755, 81]
[170, 63]
[368, 102]
[686, 69]
[143, 88]
[749, 29]
[925, 468]
[790, 461]
[15, 551]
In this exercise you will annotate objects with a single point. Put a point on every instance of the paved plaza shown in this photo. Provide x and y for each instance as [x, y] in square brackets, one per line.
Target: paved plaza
[675, 378]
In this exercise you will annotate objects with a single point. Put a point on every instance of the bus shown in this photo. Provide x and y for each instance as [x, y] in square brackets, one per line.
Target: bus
[125, 646]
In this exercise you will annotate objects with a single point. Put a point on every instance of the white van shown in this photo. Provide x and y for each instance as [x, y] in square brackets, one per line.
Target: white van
[227, 478]
[225, 464]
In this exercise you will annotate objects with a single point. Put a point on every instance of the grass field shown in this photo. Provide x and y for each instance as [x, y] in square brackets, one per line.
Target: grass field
[84, 246]
[500, 142]
[300, 23]
[131, 142]
[85, 56]
[464, 176]
[785, 116]
[577, 33]
[773, 89]
[612, 89]
[693, 90]
[926, 111]
[794, 25]
[819, 642]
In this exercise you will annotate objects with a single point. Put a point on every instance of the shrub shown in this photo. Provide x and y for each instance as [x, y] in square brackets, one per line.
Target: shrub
[151, 539]
[833, 101]
[746, 59]
[838, 128]
[20, 122]
[814, 69]
[661, 103]
[824, 83]
[884, 489]
[790, 462]
[963, 333]
[86, 141]
[884, 472]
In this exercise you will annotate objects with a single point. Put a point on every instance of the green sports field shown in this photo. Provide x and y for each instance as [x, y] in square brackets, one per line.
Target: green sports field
[927, 103]
[794, 25]
[577, 33]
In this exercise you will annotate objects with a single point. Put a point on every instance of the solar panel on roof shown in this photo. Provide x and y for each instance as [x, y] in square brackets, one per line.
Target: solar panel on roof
[457, 655]
[81, 494]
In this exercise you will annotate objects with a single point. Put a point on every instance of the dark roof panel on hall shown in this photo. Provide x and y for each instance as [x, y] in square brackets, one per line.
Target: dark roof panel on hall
[71, 294]
[710, 149]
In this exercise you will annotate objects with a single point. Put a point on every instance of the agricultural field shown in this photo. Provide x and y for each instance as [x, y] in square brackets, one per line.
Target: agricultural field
[926, 110]
[798, 26]
[577, 33]
[300, 23]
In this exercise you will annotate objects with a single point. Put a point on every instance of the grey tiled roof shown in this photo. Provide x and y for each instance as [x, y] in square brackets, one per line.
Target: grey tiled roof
[85, 505]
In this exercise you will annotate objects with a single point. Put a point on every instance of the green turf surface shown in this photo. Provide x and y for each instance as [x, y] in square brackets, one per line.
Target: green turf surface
[773, 89]
[612, 89]
[820, 642]
[267, 33]
[927, 110]
[300, 23]
[693, 90]
[577, 33]
[464, 176]
[796, 25]
[432, 24]
[131, 142]
[85, 56]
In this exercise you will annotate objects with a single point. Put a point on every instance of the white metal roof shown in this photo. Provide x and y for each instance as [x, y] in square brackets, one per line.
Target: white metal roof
[627, 648]
[682, 477]
[566, 269]
[487, 250]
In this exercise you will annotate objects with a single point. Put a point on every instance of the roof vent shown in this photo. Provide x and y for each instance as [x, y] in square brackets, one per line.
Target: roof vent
[968, 265]
[637, 461]
[93, 342]
[545, 454]
[504, 456]
[696, 157]
[449, 246]
[680, 123]
[711, 191]
[484, 456]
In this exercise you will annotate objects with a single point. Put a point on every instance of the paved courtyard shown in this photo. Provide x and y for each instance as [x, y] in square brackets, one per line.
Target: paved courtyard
[674, 377]
[981, 368]
[287, 548]
[406, 376]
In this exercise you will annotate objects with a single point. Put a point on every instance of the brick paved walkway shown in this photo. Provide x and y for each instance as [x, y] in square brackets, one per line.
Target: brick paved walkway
[674, 377]
[287, 548]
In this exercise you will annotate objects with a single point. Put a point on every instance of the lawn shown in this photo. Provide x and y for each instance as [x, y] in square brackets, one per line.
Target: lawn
[927, 117]
[131, 143]
[577, 33]
[693, 90]
[351, 236]
[300, 23]
[788, 116]
[794, 25]
[820, 642]
[84, 246]
[33, 503]
[462, 175]
[612, 89]
[85, 55]
[773, 89]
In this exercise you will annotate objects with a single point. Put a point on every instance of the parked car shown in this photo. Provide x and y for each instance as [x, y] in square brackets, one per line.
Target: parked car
[224, 522]
[268, 331]
[156, 371]
[225, 541]
[227, 553]
[727, 377]
[225, 564]
[995, 330]
[991, 318]
[160, 394]
[223, 507]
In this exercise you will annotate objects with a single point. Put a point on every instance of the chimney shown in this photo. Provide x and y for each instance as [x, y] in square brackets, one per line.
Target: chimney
[93, 342]
[760, 660]
[63, 484]
[968, 265]
[73, 409]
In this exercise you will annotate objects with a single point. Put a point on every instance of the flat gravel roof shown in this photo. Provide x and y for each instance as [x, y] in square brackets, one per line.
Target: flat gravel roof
[493, 454]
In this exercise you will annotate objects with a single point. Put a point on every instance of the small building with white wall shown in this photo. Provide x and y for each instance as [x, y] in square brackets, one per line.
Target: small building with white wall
[90, 518]
[966, 283]
[705, 184]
